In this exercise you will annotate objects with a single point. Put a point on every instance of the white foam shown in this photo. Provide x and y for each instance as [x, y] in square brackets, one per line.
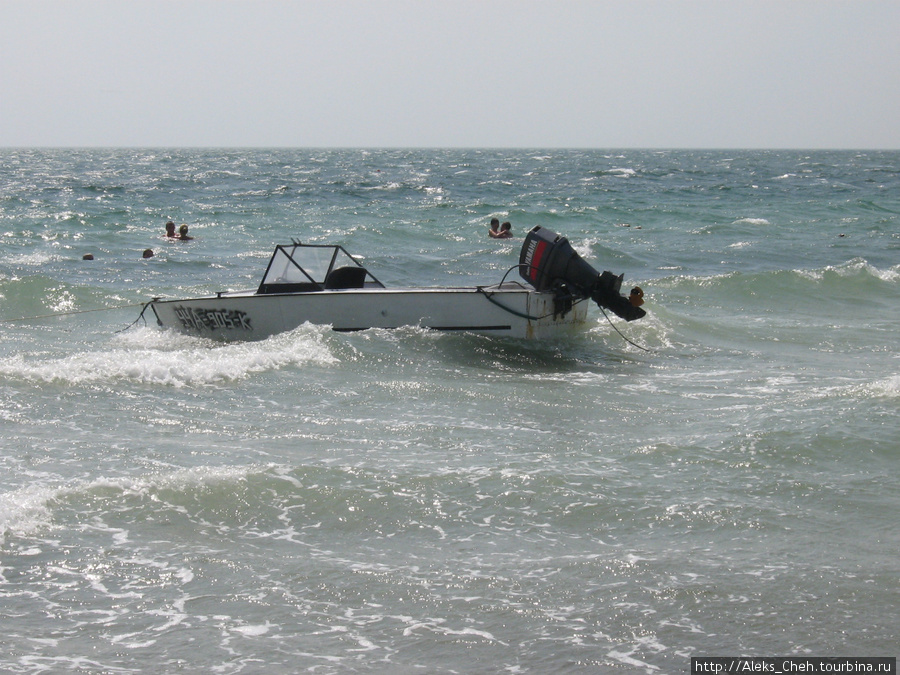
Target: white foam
[850, 269]
[179, 480]
[628, 659]
[253, 630]
[36, 259]
[584, 248]
[174, 360]
[25, 511]
[888, 387]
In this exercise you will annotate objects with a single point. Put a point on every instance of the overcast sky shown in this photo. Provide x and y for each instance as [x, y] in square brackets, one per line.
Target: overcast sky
[451, 73]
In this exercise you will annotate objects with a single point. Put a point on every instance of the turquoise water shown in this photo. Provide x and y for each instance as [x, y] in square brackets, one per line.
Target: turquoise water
[411, 501]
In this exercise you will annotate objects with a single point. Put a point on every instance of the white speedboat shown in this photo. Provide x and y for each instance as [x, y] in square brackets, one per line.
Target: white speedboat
[323, 284]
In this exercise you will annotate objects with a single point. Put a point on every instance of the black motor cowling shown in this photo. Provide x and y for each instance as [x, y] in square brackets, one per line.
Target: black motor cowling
[549, 263]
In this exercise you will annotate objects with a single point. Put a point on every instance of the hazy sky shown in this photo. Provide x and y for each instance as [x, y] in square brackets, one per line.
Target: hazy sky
[451, 73]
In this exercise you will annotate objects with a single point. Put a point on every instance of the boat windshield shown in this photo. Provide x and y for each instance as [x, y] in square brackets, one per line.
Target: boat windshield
[305, 267]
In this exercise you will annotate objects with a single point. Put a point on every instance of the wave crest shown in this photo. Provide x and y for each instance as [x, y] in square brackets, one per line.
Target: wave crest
[149, 356]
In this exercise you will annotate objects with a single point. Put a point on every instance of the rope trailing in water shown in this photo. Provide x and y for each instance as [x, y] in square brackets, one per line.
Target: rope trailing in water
[633, 344]
[140, 316]
[80, 311]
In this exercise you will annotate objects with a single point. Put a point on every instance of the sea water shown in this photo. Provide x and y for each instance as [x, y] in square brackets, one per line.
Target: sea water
[722, 483]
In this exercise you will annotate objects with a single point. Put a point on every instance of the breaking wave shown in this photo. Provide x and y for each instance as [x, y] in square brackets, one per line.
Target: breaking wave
[150, 356]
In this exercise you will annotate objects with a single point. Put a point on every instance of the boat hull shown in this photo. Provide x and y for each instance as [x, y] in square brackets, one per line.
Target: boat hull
[509, 311]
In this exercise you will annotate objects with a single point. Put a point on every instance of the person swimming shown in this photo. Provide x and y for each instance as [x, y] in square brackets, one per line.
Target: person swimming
[505, 231]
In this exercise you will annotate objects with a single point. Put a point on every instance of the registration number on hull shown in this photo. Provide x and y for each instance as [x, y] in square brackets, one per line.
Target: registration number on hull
[192, 318]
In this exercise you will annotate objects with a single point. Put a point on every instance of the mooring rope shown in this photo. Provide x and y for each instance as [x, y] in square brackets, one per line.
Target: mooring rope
[80, 311]
[616, 328]
[140, 316]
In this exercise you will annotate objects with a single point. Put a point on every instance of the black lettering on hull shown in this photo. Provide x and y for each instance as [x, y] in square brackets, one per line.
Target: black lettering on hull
[195, 319]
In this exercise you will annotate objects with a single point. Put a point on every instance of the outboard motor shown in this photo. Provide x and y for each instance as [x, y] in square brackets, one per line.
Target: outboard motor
[549, 263]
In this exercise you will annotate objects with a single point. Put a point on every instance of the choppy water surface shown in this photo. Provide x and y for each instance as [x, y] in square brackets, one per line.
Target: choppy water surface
[412, 501]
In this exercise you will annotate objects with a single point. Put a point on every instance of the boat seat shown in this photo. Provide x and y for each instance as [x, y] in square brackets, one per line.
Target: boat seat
[346, 277]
